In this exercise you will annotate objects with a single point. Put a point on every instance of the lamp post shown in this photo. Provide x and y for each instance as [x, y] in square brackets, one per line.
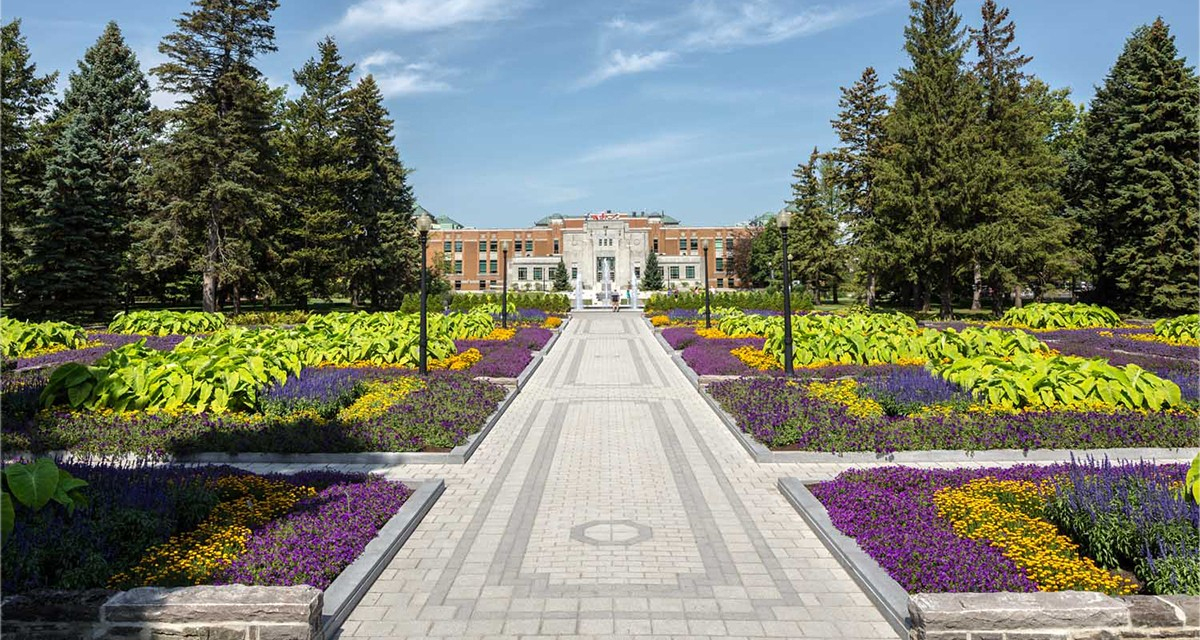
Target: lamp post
[785, 220]
[707, 309]
[424, 224]
[504, 291]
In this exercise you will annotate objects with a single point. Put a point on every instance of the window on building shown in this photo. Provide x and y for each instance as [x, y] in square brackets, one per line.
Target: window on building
[729, 244]
[458, 246]
[683, 244]
[637, 272]
[492, 284]
[446, 247]
[528, 246]
[458, 285]
[656, 245]
[482, 246]
[482, 285]
[695, 244]
[458, 266]
[482, 266]
[574, 273]
[674, 273]
[556, 245]
[522, 273]
[537, 273]
[492, 266]
[720, 283]
[689, 272]
[447, 264]
[494, 246]
[720, 264]
[718, 244]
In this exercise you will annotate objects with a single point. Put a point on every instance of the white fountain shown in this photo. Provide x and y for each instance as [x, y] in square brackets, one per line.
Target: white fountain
[579, 291]
[606, 281]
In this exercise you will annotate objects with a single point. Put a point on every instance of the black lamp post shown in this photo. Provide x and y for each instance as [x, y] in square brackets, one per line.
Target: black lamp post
[707, 308]
[785, 220]
[504, 291]
[424, 224]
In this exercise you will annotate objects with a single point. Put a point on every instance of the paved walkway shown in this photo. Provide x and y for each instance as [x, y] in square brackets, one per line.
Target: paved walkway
[610, 501]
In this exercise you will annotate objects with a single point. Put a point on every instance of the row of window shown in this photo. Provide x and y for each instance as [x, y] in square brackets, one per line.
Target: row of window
[492, 266]
[493, 246]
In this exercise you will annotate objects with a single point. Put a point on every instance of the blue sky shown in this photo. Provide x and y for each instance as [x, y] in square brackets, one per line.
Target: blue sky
[509, 110]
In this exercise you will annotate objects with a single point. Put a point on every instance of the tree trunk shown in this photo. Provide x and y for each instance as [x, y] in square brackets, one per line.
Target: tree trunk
[976, 288]
[835, 292]
[1017, 296]
[237, 300]
[871, 290]
[211, 279]
[945, 293]
[1074, 295]
[926, 294]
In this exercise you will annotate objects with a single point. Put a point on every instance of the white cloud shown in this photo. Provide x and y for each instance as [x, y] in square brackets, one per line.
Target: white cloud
[710, 25]
[659, 146]
[421, 15]
[396, 77]
[619, 64]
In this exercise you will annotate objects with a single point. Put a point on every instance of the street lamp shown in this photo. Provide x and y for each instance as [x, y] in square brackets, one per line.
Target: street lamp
[424, 224]
[504, 291]
[707, 309]
[785, 220]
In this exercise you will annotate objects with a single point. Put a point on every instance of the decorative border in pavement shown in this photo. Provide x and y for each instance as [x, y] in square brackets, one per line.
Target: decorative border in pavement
[889, 597]
[348, 589]
[761, 453]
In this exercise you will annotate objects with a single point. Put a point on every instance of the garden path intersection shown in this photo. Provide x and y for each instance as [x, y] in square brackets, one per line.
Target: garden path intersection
[610, 501]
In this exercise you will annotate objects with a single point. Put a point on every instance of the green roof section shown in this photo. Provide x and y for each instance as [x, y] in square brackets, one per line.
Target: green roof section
[439, 222]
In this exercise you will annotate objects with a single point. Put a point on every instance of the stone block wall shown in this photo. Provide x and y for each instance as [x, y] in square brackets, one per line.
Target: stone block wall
[1064, 615]
[232, 612]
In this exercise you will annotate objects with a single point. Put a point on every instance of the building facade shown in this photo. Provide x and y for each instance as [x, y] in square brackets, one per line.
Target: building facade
[472, 259]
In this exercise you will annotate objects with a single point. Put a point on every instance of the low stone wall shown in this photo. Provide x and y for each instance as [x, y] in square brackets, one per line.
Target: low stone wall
[1065, 615]
[232, 612]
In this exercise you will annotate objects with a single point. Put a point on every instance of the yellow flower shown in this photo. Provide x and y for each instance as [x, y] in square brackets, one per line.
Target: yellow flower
[756, 358]
[551, 322]
[500, 334]
[381, 396]
[843, 392]
[660, 321]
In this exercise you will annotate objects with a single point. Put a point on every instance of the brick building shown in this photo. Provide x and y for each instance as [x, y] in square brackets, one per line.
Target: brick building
[471, 258]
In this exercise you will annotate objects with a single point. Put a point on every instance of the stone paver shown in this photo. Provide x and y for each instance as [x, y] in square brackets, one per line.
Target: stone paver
[609, 501]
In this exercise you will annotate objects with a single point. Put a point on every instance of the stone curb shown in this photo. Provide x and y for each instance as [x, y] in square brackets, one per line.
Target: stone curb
[889, 597]
[348, 589]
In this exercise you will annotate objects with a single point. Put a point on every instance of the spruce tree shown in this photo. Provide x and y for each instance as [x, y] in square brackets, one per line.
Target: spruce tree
[25, 95]
[1139, 188]
[860, 128]
[1017, 172]
[925, 183]
[215, 183]
[562, 279]
[813, 233]
[383, 256]
[315, 160]
[91, 186]
[652, 277]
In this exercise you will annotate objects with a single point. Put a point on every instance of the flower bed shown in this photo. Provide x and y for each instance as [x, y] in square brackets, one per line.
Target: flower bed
[87, 355]
[172, 526]
[708, 356]
[1121, 528]
[786, 414]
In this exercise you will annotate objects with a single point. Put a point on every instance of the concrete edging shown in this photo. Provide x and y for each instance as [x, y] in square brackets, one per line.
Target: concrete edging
[889, 597]
[348, 589]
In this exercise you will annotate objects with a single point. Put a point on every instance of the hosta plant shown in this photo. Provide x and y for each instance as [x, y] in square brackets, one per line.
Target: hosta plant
[20, 338]
[162, 323]
[34, 485]
[846, 339]
[1182, 329]
[1055, 315]
[1060, 381]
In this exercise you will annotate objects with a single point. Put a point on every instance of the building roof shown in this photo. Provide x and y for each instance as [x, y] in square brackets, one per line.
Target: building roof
[439, 222]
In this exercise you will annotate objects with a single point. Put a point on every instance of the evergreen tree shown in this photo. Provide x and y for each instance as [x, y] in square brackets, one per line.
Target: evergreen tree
[1141, 174]
[562, 279]
[1017, 171]
[315, 159]
[766, 256]
[742, 258]
[925, 184]
[384, 255]
[25, 95]
[215, 182]
[652, 277]
[90, 191]
[860, 128]
[814, 229]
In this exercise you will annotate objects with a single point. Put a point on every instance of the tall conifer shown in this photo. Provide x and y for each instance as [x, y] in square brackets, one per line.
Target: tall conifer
[813, 233]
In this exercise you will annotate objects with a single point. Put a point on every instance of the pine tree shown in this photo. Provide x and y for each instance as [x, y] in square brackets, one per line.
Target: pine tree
[813, 233]
[315, 159]
[383, 257]
[860, 128]
[925, 181]
[91, 186]
[1139, 187]
[25, 95]
[562, 279]
[652, 277]
[215, 183]
[1018, 173]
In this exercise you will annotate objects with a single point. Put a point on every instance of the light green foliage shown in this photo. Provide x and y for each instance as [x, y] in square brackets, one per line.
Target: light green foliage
[847, 339]
[548, 302]
[34, 485]
[973, 341]
[19, 337]
[494, 307]
[1025, 380]
[162, 323]
[1054, 315]
[1191, 484]
[745, 300]
[1182, 328]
